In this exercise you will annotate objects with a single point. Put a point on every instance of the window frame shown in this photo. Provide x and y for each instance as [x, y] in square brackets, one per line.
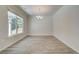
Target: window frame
[10, 34]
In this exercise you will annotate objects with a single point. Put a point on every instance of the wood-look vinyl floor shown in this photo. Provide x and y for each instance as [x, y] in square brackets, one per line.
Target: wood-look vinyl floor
[39, 45]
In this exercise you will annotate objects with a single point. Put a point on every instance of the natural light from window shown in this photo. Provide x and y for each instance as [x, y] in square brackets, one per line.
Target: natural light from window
[15, 24]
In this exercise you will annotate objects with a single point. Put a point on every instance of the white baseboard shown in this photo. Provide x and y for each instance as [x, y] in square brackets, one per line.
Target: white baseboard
[13, 42]
[66, 43]
[40, 34]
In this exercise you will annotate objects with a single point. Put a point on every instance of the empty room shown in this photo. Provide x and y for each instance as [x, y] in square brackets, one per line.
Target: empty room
[39, 29]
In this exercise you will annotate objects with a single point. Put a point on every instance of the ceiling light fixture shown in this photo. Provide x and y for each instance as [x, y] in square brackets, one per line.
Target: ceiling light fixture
[39, 17]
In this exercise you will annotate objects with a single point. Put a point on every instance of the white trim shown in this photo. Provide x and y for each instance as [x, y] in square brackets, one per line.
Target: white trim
[40, 34]
[77, 51]
[15, 41]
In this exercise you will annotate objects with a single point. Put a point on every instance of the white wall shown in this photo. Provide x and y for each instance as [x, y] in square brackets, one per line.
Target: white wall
[40, 26]
[66, 26]
[6, 41]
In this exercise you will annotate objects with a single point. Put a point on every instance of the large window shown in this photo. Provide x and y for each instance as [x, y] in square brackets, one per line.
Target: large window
[15, 24]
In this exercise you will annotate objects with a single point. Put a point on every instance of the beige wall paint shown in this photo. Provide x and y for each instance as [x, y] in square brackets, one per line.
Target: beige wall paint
[4, 39]
[40, 26]
[66, 26]
[3, 22]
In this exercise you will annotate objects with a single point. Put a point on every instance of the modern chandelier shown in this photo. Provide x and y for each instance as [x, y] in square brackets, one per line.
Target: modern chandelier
[39, 17]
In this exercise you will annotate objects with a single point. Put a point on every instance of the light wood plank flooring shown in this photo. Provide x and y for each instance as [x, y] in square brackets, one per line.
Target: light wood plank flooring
[39, 45]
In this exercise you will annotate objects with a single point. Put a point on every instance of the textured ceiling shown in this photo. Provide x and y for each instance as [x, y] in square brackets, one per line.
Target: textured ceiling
[40, 9]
